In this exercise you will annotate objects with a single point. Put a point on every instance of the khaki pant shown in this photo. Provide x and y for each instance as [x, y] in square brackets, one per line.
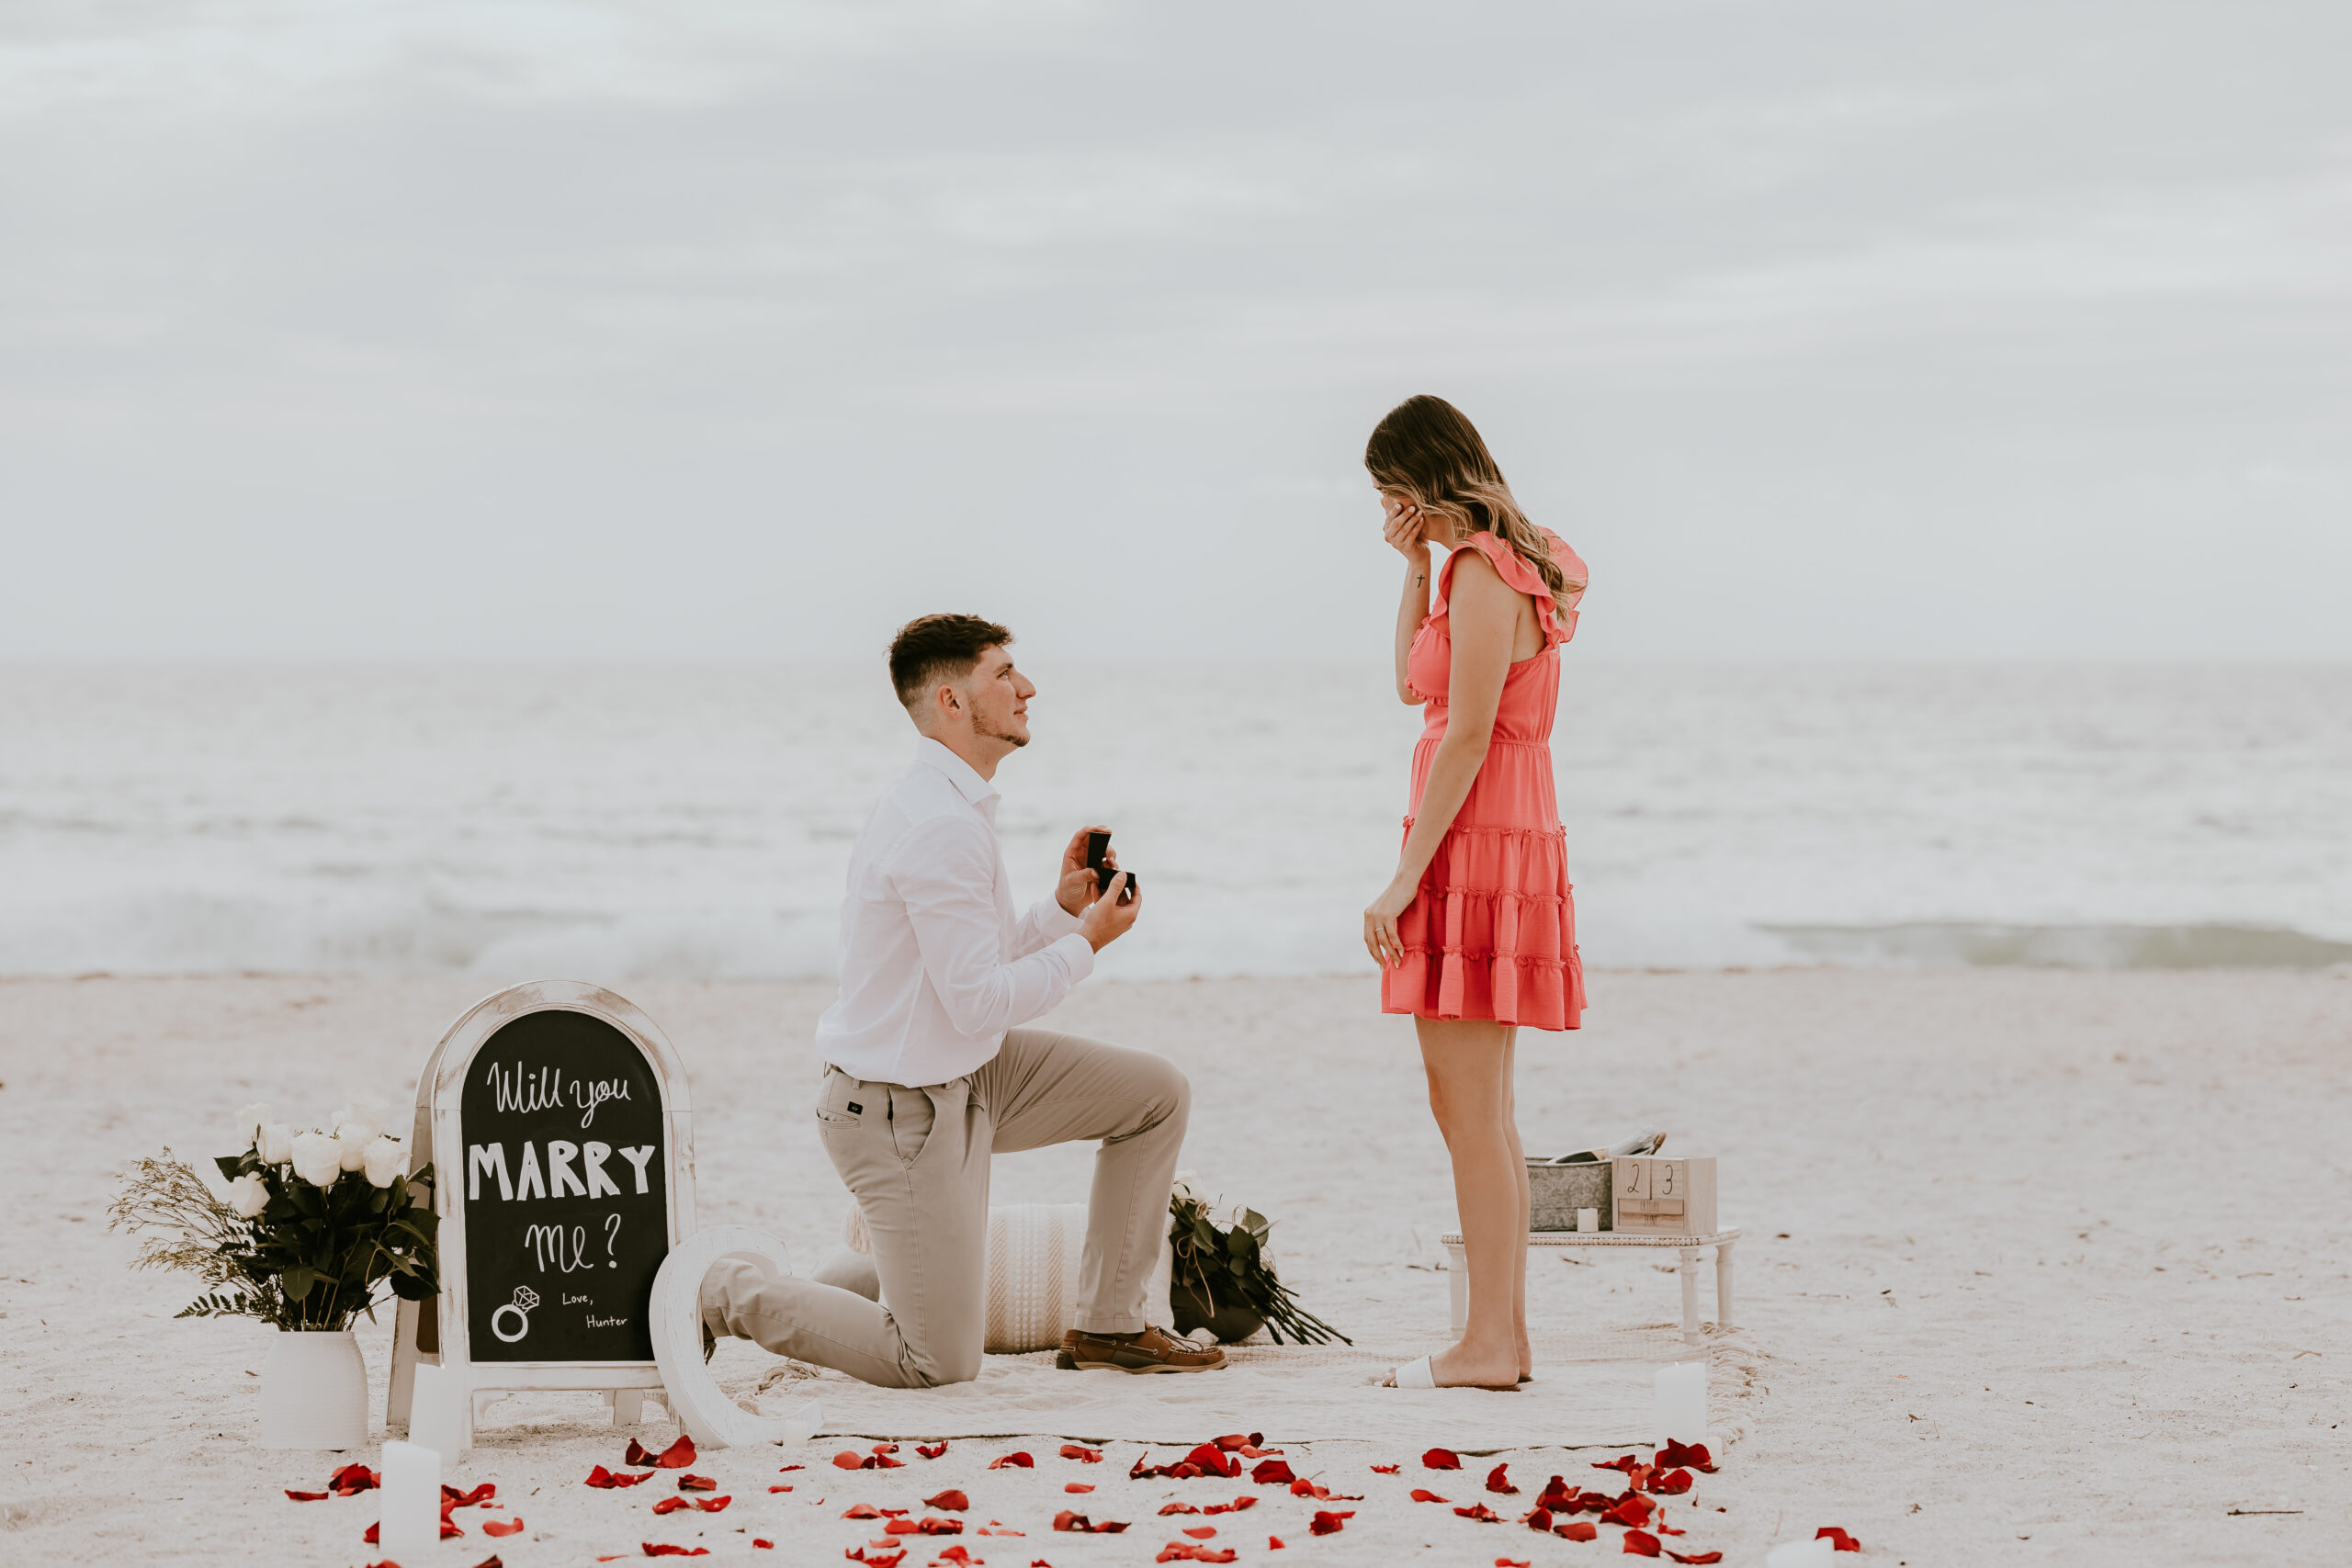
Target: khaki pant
[916, 1161]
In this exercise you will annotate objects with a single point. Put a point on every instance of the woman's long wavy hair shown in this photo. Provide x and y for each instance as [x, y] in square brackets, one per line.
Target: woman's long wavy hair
[1426, 451]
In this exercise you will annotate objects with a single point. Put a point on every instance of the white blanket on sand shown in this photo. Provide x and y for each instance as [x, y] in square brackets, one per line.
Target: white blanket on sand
[1597, 1393]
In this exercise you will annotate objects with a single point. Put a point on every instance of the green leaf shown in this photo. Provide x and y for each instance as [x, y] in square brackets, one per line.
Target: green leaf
[297, 1282]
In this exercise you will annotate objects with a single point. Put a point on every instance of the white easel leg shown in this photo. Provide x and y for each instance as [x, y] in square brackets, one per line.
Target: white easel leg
[628, 1406]
[1723, 1287]
[401, 1387]
[1457, 1277]
[1689, 1272]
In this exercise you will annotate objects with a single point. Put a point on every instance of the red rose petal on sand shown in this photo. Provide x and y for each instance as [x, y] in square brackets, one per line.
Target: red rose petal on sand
[1695, 1455]
[1083, 1455]
[637, 1453]
[779, 1488]
[958, 1555]
[1673, 1483]
[848, 1460]
[663, 1548]
[448, 1529]
[502, 1526]
[1213, 1460]
[1498, 1482]
[1511, 1562]
[1021, 1461]
[1623, 1461]
[1178, 1508]
[1480, 1512]
[1631, 1510]
[677, 1456]
[933, 1525]
[453, 1498]
[1577, 1529]
[714, 1505]
[1271, 1470]
[1440, 1459]
[1329, 1523]
[931, 1450]
[863, 1511]
[1641, 1543]
[763, 1545]
[354, 1477]
[669, 1506]
[788, 1469]
[1423, 1495]
[952, 1500]
[1201, 1532]
[1838, 1538]
[1274, 1543]
[696, 1483]
[306, 1497]
[1076, 1486]
[1385, 1469]
[492, 1560]
[370, 1536]
[1538, 1519]
[1696, 1557]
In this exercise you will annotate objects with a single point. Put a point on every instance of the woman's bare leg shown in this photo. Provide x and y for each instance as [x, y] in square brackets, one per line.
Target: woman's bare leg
[1526, 1199]
[1468, 1064]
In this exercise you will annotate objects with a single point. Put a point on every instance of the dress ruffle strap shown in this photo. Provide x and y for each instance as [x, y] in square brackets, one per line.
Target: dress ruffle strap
[1558, 625]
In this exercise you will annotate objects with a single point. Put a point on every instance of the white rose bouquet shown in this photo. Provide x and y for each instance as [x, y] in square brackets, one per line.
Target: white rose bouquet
[312, 1223]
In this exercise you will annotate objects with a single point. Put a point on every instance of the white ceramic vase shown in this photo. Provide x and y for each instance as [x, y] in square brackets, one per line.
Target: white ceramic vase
[313, 1391]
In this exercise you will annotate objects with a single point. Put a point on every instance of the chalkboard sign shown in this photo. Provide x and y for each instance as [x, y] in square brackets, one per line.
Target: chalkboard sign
[565, 1192]
[558, 1122]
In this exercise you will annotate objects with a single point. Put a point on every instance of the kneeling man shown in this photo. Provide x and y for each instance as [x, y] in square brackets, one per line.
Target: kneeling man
[928, 1070]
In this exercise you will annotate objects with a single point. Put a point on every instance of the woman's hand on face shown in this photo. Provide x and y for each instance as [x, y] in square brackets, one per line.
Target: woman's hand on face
[1401, 525]
[1380, 938]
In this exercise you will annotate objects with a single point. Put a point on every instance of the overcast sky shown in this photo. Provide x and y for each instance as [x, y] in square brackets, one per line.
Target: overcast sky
[745, 331]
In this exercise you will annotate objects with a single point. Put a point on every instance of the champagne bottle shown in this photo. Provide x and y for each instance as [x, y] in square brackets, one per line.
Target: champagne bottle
[1643, 1142]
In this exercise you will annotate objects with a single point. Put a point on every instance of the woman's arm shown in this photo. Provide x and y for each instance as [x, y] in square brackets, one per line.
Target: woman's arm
[1402, 525]
[1482, 612]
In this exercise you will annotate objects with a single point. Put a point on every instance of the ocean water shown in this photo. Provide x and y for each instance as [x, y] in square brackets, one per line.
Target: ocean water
[616, 823]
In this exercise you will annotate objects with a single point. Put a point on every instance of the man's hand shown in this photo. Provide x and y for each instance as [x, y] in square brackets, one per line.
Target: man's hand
[1075, 889]
[1107, 919]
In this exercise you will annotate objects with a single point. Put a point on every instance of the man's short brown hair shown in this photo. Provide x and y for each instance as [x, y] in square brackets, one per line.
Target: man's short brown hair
[933, 648]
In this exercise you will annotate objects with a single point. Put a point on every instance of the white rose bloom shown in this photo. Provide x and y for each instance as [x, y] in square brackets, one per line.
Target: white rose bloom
[318, 1158]
[359, 1120]
[276, 1144]
[248, 1195]
[251, 1120]
[352, 1149]
[386, 1159]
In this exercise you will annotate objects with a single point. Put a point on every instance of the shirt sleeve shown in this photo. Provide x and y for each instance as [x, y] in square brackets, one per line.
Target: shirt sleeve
[1047, 921]
[945, 871]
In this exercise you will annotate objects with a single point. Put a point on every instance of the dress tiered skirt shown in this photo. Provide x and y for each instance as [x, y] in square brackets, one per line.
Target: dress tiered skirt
[1492, 931]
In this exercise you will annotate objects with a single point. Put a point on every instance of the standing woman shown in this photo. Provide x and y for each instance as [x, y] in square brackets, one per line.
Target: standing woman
[1476, 934]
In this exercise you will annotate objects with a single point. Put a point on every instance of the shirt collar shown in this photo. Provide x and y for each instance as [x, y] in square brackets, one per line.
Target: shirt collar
[959, 773]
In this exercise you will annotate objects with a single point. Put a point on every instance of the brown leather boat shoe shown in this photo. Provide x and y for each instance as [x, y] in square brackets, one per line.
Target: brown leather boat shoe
[1150, 1351]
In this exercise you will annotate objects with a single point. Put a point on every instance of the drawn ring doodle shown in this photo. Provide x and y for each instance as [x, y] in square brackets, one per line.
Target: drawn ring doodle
[525, 1300]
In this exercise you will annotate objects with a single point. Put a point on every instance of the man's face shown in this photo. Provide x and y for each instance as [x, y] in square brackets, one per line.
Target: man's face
[999, 695]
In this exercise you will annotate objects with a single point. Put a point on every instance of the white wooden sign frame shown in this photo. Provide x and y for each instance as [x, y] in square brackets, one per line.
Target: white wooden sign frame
[439, 1135]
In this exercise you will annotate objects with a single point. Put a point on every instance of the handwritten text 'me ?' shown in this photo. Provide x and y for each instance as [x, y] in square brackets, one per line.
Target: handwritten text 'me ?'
[560, 1179]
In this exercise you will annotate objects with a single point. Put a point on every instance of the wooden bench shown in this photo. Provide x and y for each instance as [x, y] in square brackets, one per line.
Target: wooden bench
[1688, 1246]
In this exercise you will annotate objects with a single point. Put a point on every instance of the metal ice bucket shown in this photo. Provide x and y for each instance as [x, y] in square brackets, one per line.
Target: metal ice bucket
[1557, 1192]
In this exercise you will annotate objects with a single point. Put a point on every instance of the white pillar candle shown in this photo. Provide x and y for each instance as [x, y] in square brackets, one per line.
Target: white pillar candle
[1588, 1220]
[1819, 1552]
[1682, 1403]
[410, 1521]
[432, 1414]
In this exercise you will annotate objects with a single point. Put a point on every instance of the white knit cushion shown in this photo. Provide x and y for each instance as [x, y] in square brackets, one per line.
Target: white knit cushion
[1032, 1281]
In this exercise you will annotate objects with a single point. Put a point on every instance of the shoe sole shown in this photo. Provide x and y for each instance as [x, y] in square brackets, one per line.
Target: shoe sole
[1070, 1363]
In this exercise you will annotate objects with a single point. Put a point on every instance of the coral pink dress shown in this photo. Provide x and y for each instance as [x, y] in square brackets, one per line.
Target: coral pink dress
[1492, 933]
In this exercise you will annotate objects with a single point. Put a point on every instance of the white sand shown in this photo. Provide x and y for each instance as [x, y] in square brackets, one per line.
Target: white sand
[2063, 1277]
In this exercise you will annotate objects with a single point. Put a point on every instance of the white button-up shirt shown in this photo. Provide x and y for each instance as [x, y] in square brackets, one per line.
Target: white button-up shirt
[935, 966]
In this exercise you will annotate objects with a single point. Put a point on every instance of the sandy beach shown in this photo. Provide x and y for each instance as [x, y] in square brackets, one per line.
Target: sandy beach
[2041, 1266]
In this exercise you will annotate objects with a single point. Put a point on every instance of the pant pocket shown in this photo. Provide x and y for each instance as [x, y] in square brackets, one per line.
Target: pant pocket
[913, 1116]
